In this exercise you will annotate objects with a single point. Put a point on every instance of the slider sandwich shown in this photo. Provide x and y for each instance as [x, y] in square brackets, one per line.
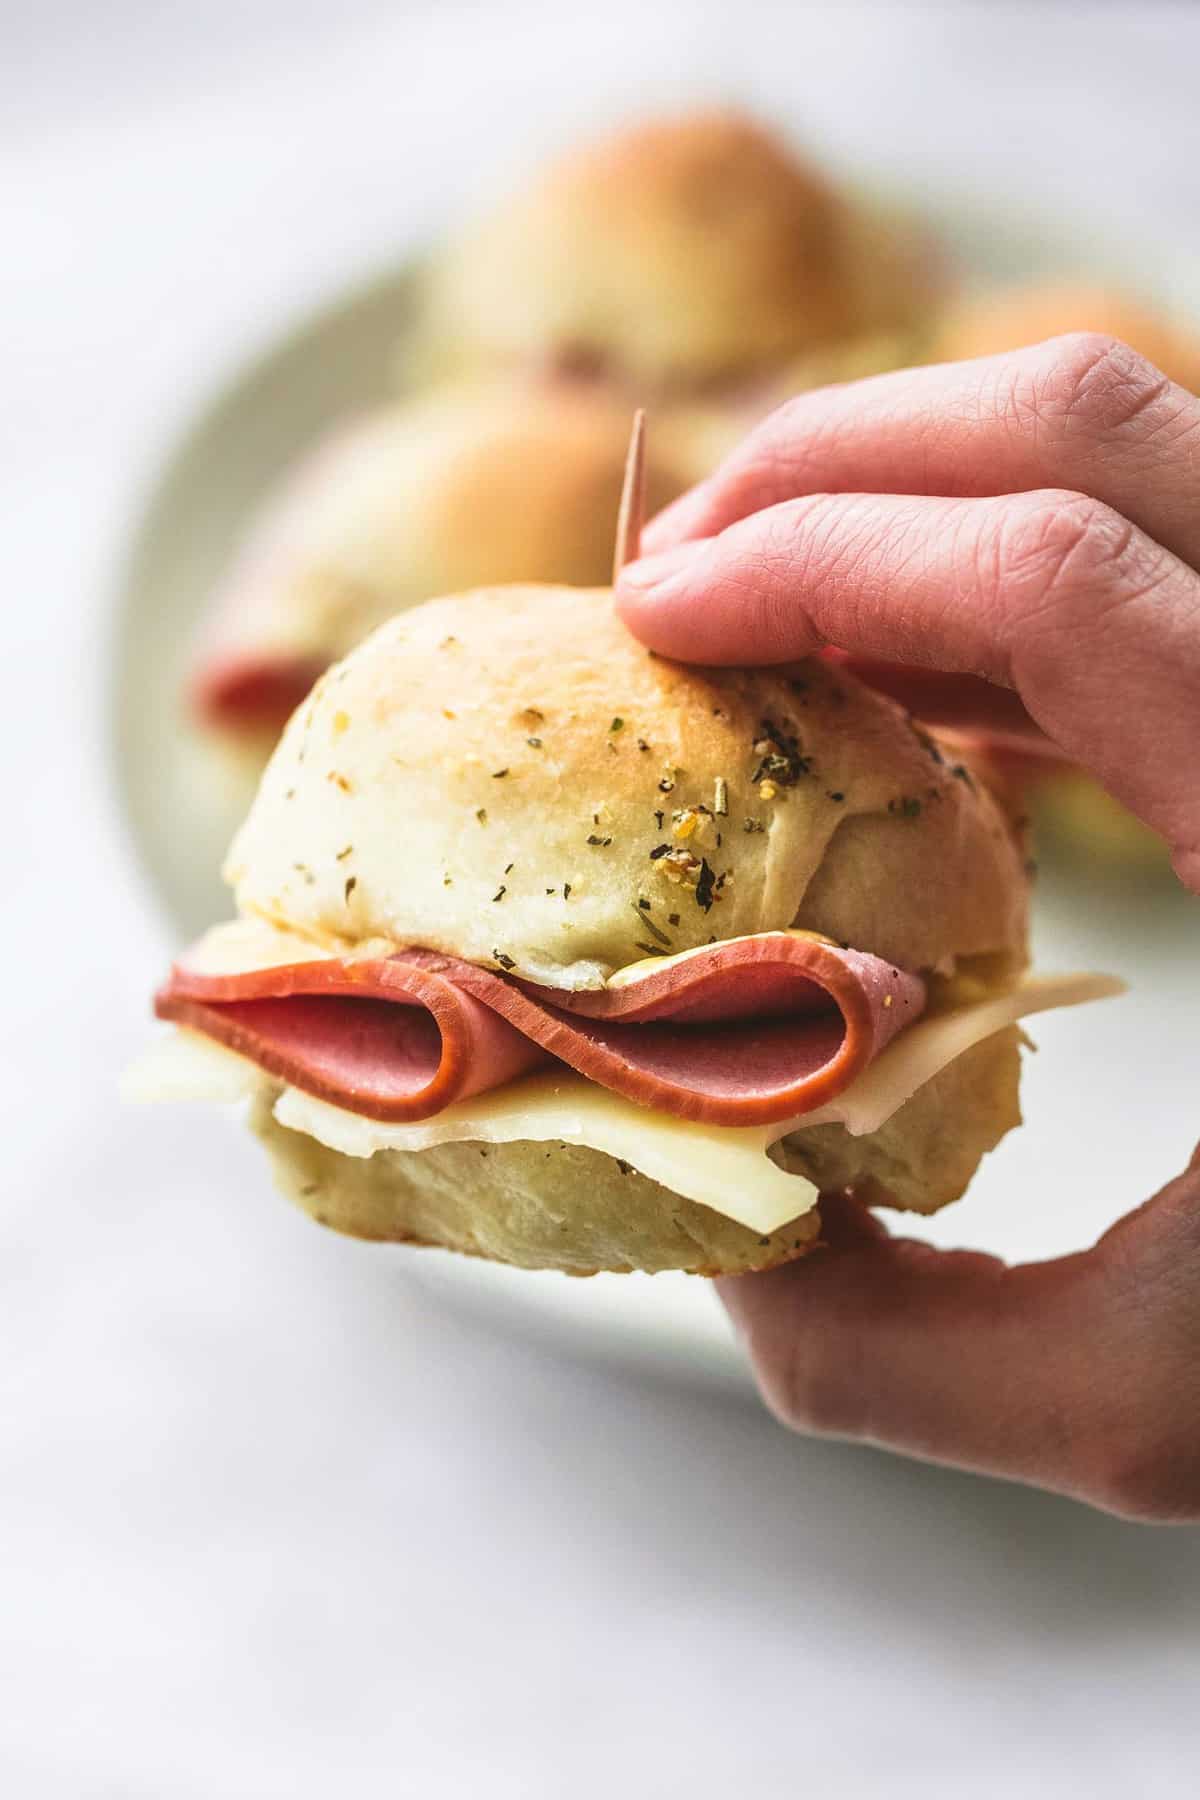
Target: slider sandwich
[555, 952]
[685, 255]
[416, 499]
[1001, 319]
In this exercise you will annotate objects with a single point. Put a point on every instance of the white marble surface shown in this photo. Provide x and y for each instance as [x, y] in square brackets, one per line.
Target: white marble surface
[273, 1523]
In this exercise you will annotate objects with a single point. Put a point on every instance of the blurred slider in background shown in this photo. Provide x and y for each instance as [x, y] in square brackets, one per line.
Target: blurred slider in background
[694, 256]
[694, 264]
[473, 484]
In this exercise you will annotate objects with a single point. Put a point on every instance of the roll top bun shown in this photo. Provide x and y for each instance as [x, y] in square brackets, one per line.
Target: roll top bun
[510, 777]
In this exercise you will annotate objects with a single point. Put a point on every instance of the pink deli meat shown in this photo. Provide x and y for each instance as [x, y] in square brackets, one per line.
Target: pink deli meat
[742, 1033]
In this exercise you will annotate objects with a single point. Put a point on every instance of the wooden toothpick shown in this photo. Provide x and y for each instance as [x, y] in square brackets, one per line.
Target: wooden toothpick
[631, 515]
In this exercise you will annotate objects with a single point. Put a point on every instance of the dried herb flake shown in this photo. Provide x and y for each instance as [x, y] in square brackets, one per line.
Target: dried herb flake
[654, 929]
[781, 759]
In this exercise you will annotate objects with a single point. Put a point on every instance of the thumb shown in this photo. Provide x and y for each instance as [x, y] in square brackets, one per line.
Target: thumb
[1080, 1375]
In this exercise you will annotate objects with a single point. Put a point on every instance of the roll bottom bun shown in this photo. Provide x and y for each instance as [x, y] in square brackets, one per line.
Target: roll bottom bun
[575, 1209]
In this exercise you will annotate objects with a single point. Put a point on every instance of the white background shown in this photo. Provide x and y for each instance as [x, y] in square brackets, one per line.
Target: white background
[272, 1521]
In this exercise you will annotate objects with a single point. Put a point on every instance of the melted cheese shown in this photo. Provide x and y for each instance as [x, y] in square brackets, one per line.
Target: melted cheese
[634, 972]
[727, 1168]
[246, 945]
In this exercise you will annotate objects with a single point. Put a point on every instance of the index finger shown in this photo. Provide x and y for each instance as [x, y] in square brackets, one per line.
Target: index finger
[1066, 1374]
[1093, 624]
[1082, 412]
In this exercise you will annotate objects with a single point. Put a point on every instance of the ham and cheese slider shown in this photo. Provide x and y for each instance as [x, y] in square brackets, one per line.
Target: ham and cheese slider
[558, 953]
[416, 499]
[680, 254]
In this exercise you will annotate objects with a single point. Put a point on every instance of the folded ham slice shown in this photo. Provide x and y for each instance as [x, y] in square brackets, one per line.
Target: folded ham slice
[741, 1033]
[242, 692]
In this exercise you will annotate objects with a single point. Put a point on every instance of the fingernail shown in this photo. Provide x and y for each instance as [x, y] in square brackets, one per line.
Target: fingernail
[664, 571]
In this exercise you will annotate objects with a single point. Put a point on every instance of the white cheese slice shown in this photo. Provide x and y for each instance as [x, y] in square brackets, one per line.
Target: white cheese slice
[179, 1064]
[921, 1050]
[720, 1166]
[246, 945]
[723, 1167]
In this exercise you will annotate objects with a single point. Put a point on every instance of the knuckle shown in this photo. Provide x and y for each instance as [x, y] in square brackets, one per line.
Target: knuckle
[759, 480]
[1091, 384]
[810, 1391]
[1056, 543]
[1140, 1474]
[792, 419]
[767, 468]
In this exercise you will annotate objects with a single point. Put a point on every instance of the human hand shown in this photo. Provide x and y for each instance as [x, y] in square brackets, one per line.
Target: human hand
[1033, 519]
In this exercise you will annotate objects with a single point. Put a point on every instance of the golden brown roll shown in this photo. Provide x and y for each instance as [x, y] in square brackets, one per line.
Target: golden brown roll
[678, 254]
[1008, 318]
[516, 725]
[506, 482]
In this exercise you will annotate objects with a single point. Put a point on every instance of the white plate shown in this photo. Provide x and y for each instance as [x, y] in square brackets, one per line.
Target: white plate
[1077, 1165]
